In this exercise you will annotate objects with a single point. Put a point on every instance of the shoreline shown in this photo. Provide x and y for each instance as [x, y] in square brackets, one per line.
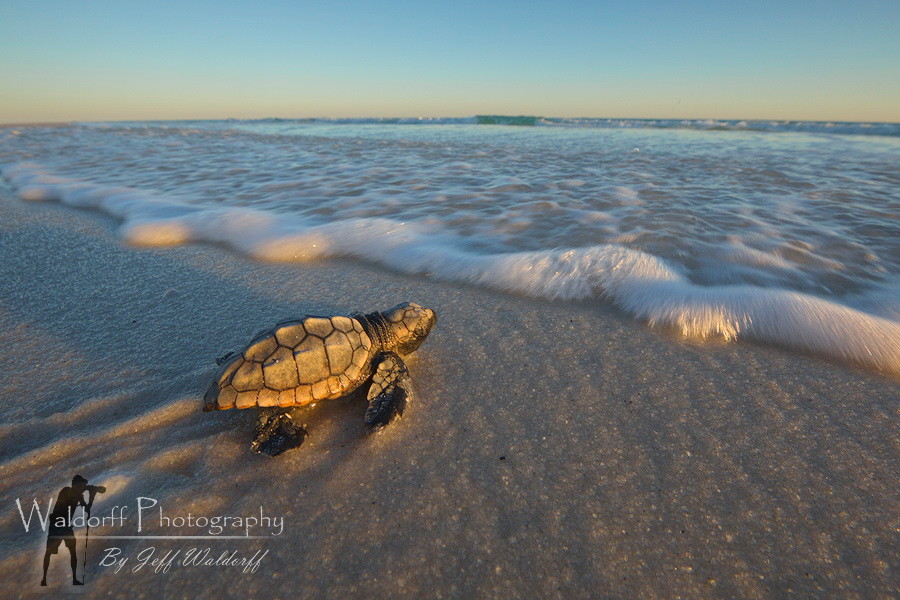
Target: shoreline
[556, 449]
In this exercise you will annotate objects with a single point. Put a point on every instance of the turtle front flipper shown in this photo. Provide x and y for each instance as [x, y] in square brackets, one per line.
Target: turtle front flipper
[390, 390]
[277, 432]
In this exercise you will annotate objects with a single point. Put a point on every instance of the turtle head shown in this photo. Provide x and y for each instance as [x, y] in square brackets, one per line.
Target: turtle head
[410, 324]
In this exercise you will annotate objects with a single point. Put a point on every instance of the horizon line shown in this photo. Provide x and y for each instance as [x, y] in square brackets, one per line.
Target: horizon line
[37, 123]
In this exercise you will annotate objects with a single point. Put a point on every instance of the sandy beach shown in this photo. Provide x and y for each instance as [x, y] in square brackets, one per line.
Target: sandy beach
[552, 450]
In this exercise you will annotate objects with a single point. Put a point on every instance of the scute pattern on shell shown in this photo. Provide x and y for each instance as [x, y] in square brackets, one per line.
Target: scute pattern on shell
[296, 363]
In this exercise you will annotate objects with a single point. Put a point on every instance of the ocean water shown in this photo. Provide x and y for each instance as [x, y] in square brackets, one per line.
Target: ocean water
[781, 232]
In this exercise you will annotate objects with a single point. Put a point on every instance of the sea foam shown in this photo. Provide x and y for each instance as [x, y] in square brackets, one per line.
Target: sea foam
[637, 282]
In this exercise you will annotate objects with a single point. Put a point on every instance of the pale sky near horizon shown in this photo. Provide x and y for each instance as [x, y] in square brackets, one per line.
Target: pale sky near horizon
[104, 60]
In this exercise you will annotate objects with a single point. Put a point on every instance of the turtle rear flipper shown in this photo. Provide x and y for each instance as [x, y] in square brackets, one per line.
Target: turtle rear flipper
[276, 433]
[221, 360]
[390, 390]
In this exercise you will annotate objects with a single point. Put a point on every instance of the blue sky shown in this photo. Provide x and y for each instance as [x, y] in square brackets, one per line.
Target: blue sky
[104, 60]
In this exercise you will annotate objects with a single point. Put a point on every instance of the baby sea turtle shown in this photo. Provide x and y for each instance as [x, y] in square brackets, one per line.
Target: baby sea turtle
[320, 358]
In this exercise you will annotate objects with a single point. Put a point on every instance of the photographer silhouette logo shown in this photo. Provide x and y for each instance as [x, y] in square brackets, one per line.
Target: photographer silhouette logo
[59, 526]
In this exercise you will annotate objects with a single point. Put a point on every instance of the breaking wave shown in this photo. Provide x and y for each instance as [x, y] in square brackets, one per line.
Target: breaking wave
[637, 282]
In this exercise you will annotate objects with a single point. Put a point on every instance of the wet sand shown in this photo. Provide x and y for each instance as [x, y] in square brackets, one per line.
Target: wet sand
[553, 450]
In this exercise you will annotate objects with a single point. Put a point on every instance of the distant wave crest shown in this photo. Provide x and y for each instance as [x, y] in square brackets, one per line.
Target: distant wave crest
[637, 282]
[771, 126]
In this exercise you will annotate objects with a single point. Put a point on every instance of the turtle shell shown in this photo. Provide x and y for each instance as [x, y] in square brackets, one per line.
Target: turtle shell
[297, 362]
